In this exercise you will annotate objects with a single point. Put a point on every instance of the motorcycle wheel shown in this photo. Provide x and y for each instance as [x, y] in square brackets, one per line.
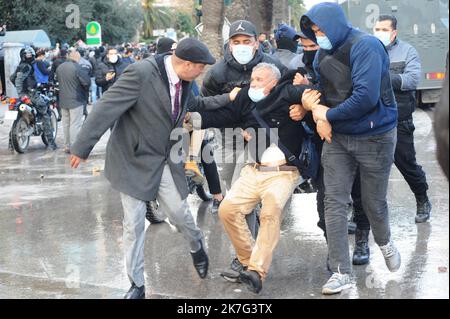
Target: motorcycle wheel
[19, 140]
[54, 123]
[203, 194]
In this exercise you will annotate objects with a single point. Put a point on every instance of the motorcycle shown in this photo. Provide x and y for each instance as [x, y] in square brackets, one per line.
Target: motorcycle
[27, 122]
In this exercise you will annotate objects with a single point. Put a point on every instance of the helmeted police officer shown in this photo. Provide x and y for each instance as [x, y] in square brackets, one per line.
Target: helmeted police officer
[25, 83]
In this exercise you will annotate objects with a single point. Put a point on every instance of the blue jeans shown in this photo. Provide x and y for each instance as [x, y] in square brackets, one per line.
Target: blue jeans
[93, 91]
[374, 155]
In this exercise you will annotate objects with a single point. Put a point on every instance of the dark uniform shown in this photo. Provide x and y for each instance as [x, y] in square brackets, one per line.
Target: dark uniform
[25, 84]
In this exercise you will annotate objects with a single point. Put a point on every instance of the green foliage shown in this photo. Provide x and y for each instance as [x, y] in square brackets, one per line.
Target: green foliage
[185, 23]
[298, 9]
[156, 17]
[162, 18]
[120, 20]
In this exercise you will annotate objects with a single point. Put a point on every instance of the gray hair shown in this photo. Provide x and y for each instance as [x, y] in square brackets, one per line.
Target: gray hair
[272, 67]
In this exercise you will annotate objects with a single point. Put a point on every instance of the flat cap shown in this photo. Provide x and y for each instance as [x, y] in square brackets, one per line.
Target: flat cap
[193, 50]
[242, 27]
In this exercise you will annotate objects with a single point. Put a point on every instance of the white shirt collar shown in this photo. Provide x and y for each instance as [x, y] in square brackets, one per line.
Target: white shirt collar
[171, 74]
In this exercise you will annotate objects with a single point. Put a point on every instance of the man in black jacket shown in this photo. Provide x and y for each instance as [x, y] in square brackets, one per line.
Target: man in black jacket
[270, 176]
[109, 70]
[60, 59]
[242, 54]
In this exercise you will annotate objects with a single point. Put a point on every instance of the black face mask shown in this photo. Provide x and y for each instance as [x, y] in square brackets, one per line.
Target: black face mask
[29, 60]
[308, 57]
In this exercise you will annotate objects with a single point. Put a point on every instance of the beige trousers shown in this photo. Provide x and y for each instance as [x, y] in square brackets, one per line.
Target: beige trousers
[273, 190]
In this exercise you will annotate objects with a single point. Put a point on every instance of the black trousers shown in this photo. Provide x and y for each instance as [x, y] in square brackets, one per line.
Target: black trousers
[405, 161]
[210, 169]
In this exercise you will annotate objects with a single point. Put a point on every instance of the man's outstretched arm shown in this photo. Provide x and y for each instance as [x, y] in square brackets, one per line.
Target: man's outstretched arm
[116, 101]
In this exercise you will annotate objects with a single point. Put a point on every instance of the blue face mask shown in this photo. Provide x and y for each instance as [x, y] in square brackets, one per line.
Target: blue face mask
[324, 43]
[256, 95]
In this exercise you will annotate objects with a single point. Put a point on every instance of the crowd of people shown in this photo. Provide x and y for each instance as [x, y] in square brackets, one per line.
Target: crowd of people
[82, 74]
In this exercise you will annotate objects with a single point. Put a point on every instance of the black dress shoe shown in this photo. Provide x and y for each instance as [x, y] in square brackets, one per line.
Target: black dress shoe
[150, 215]
[252, 279]
[135, 292]
[201, 261]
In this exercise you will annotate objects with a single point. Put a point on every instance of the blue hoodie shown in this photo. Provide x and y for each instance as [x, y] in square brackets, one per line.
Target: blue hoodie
[364, 113]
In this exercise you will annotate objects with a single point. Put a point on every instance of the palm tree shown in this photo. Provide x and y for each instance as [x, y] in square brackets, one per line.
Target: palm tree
[213, 16]
[155, 17]
[238, 10]
[266, 10]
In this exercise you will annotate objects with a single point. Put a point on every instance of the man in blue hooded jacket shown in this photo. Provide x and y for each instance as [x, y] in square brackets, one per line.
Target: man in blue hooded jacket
[359, 123]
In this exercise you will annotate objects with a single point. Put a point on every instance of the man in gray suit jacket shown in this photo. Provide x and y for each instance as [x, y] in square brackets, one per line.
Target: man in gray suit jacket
[148, 104]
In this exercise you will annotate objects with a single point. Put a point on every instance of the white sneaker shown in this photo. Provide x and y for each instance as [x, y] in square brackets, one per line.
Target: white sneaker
[391, 256]
[336, 284]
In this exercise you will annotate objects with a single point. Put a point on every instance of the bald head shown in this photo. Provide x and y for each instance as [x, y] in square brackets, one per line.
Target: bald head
[186, 70]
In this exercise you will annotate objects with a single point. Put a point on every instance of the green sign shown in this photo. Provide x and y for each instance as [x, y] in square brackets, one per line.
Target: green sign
[93, 33]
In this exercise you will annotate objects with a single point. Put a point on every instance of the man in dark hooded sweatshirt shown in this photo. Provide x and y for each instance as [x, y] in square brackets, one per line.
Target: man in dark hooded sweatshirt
[359, 123]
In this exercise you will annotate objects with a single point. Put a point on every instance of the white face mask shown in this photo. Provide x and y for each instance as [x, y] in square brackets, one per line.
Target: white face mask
[114, 58]
[384, 37]
[256, 95]
[242, 53]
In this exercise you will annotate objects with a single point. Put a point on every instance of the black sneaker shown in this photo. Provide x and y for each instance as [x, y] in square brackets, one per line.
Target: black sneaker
[423, 211]
[233, 274]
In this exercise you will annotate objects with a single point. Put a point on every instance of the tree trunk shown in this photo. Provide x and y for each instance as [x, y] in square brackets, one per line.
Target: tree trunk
[213, 16]
[239, 10]
[281, 12]
[264, 15]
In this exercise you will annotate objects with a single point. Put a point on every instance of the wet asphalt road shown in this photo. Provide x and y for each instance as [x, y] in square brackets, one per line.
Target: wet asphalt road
[61, 237]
